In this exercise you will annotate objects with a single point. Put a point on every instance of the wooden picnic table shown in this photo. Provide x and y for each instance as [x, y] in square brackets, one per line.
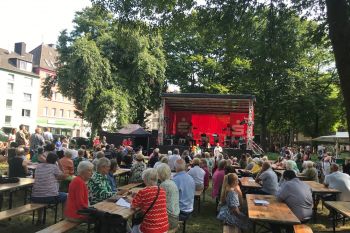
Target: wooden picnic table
[275, 212]
[320, 189]
[280, 172]
[113, 208]
[121, 171]
[23, 183]
[249, 182]
[342, 207]
[275, 167]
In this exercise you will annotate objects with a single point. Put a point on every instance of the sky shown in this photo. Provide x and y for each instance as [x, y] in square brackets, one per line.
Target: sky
[36, 21]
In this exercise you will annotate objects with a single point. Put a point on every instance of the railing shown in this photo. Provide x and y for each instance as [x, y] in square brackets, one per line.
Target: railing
[257, 150]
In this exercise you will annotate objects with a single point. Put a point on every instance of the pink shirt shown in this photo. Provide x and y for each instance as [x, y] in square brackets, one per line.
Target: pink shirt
[218, 179]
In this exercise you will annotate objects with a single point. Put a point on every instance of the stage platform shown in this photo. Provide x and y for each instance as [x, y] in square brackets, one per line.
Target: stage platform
[226, 150]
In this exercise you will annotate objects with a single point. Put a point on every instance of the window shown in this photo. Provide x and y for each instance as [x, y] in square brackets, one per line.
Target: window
[61, 113]
[28, 82]
[45, 111]
[7, 120]
[11, 78]
[9, 104]
[27, 97]
[25, 112]
[53, 112]
[69, 112]
[54, 95]
[27, 66]
[10, 88]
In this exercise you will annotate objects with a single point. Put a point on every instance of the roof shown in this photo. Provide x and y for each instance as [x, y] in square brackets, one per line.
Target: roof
[45, 56]
[133, 129]
[217, 103]
[5, 63]
[340, 137]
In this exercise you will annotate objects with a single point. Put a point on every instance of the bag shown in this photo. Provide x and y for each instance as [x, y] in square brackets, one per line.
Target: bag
[138, 216]
[105, 222]
[7, 180]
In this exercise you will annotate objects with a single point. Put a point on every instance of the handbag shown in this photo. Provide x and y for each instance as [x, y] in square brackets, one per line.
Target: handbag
[138, 216]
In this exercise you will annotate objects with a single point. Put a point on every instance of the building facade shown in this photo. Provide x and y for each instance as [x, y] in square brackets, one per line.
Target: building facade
[56, 113]
[18, 88]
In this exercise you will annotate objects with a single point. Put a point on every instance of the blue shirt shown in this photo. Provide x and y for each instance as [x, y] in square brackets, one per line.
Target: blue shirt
[186, 186]
[111, 181]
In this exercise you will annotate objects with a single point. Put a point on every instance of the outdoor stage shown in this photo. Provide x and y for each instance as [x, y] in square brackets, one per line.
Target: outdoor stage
[196, 118]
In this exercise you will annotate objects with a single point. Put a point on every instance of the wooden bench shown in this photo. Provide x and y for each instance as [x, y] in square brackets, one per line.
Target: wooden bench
[130, 186]
[230, 229]
[302, 229]
[60, 227]
[6, 214]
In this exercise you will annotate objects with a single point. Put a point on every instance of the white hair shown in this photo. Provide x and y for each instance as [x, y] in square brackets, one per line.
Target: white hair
[164, 172]
[84, 166]
[68, 153]
[150, 176]
[289, 165]
[180, 165]
[103, 162]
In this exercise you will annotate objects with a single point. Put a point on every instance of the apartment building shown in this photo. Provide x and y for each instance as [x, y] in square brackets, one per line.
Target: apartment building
[18, 88]
[56, 113]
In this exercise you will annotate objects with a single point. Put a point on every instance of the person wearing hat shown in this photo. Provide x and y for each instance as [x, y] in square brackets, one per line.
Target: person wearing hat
[137, 168]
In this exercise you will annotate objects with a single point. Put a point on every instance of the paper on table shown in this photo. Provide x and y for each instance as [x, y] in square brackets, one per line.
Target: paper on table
[261, 202]
[251, 179]
[123, 203]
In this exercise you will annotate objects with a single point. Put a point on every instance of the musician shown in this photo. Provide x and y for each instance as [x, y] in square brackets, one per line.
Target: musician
[189, 138]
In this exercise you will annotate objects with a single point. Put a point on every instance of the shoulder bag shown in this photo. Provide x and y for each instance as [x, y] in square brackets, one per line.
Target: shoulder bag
[139, 215]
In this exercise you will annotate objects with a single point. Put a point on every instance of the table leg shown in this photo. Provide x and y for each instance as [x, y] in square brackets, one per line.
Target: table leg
[10, 200]
[314, 209]
[254, 227]
[25, 195]
[334, 219]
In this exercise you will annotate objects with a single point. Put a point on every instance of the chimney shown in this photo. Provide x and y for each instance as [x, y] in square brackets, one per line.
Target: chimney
[20, 48]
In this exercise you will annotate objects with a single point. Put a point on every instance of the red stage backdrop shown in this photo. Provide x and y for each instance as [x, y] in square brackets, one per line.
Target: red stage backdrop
[180, 123]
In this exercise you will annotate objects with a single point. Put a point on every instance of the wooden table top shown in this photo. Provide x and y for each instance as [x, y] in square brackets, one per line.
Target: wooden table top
[320, 188]
[113, 208]
[279, 171]
[32, 166]
[275, 167]
[22, 183]
[130, 186]
[275, 212]
[249, 182]
[341, 206]
[121, 171]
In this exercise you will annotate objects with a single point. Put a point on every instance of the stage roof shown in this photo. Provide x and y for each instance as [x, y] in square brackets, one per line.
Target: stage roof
[214, 103]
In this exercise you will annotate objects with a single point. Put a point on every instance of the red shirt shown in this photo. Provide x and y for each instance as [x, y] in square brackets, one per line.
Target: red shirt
[77, 198]
[156, 220]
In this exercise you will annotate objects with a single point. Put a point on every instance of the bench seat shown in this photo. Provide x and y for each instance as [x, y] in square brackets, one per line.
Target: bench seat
[6, 214]
[60, 227]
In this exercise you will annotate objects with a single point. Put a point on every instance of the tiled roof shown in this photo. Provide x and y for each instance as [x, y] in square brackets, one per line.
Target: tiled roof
[45, 56]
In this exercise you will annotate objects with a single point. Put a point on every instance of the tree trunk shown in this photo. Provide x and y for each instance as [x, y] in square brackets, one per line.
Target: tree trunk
[339, 33]
[263, 126]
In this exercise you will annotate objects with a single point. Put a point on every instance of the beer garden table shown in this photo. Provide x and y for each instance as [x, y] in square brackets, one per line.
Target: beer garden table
[342, 207]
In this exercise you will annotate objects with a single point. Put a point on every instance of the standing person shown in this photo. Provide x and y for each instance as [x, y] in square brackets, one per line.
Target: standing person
[203, 164]
[172, 195]
[217, 150]
[48, 135]
[229, 212]
[78, 198]
[218, 178]
[58, 144]
[186, 187]
[36, 141]
[197, 174]
[153, 160]
[156, 219]
[21, 136]
[172, 159]
[96, 141]
[12, 136]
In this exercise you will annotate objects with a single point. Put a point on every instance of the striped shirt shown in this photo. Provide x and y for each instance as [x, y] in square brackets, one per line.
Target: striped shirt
[46, 183]
[156, 220]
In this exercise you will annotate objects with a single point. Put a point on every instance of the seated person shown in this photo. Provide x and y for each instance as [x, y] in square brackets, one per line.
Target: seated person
[197, 174]
[340, 181]
[78, 192]
[229, 212]
[269, 180]
[18, 165]
[310, 172]
[99, 187]
[137, 169]
[99, 155]
[66, 163]
[76, 161]
[45, 188]
[186, 187]
[298, 196]
[257, 166]
[111, 178]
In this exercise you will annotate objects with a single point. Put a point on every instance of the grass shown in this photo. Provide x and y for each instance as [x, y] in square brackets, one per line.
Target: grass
[205, 221]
